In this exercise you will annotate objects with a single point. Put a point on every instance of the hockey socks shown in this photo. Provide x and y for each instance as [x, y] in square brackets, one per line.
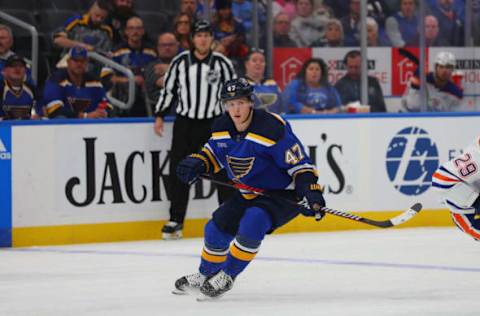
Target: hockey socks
[215, 250]
[254, 225]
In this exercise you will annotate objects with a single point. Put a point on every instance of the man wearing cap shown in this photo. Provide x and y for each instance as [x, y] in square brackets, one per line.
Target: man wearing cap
[443, 95]
[192, 83]
[17, 98]
[74, 93]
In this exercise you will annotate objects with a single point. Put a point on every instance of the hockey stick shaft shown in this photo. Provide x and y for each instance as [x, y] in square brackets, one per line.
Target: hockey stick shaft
[395, 221]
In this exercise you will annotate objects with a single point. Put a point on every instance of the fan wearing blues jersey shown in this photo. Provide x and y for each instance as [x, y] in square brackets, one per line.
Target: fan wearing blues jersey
[258, 149]
[458, 183]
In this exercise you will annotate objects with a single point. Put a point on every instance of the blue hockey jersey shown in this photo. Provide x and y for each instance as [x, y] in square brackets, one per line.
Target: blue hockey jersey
[61, 98]
[16, 103]
[267, 155]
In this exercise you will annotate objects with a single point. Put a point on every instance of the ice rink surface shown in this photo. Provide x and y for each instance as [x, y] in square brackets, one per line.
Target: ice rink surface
[377, 272]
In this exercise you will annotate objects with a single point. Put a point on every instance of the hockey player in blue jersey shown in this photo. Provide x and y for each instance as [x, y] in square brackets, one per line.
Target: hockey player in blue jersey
[257, 149]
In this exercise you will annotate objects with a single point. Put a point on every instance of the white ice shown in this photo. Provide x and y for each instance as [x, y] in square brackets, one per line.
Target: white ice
[379, 272]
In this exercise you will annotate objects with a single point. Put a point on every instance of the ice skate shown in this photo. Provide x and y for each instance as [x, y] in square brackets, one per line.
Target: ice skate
[189, 283]
[172, 231]
[216, 286]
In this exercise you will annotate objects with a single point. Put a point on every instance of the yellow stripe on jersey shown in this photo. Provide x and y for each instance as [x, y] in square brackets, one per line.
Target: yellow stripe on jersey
[260, 139]
[202, 158]
[240, 254]
[52, 107]
[212, 159]
[71, 25]
[249, 196]
[213, 258]
[120, 52]
[220, 135]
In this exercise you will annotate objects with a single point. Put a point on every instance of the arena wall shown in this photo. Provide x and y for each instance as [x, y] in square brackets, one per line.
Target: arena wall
[95, 181]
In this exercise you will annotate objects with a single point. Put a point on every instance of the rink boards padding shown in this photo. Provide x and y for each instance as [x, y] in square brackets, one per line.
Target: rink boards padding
[115, 232]
[106, 180]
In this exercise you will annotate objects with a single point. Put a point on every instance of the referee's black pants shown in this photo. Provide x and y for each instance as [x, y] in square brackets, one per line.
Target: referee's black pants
[189, 136]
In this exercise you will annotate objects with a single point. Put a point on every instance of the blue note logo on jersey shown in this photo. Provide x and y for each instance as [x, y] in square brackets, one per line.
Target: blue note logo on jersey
[240, 167]
[412, 158]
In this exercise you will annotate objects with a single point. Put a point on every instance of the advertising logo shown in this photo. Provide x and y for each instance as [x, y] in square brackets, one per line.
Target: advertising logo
[4, 153]
[412, 158]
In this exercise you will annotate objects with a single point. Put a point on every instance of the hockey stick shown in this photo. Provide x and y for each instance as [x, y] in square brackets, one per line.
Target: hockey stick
[395, 221]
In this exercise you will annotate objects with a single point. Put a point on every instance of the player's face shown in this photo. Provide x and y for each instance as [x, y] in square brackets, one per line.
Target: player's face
[202, 42]
[255, 65]
[239, 110]
[443, 73]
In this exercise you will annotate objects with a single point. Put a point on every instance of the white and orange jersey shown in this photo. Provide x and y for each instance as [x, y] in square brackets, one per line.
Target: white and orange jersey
[458, 183]
[458, 180]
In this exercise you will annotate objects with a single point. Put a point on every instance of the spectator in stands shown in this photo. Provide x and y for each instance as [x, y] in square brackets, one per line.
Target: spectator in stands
[121, 11]
[167, 48]
[267, 91]
[228, 32]
[74, 93]
[310, 92]
[432, 37]
[442, 93]
[334, 35]
[349, 86]
[289, 8]
[17, 98]
[350, 24]
[402, 27]
[281, 32]
[309, 25]
[182, 30]
[373, 36]
[88, 30]
[188, 7]
[450, 24]
[134, 54]
[6, 43]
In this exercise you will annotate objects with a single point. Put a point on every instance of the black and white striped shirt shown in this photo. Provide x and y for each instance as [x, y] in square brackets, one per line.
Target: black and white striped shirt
[195, 85]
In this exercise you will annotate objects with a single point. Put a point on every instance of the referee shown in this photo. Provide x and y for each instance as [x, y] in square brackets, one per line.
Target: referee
[193, 83]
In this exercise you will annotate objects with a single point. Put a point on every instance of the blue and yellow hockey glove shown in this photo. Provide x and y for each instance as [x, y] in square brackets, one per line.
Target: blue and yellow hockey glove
[190, 168]
[313, 201]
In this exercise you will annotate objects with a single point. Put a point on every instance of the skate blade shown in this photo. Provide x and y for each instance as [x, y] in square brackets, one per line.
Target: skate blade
[187, 291]
[179, 292]
[204, 298]
[175, 236]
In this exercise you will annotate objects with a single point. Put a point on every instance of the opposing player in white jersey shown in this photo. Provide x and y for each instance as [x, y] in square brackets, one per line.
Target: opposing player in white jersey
[443, 94]
[458, 182]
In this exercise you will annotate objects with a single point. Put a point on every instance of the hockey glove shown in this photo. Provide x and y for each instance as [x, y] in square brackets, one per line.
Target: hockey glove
[313, 201]
[190, 168]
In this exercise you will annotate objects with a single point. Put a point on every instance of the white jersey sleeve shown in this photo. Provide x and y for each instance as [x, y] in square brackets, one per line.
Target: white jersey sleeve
[458, 180]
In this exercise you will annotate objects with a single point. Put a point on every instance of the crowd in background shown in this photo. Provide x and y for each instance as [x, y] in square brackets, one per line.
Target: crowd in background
[71, 85]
